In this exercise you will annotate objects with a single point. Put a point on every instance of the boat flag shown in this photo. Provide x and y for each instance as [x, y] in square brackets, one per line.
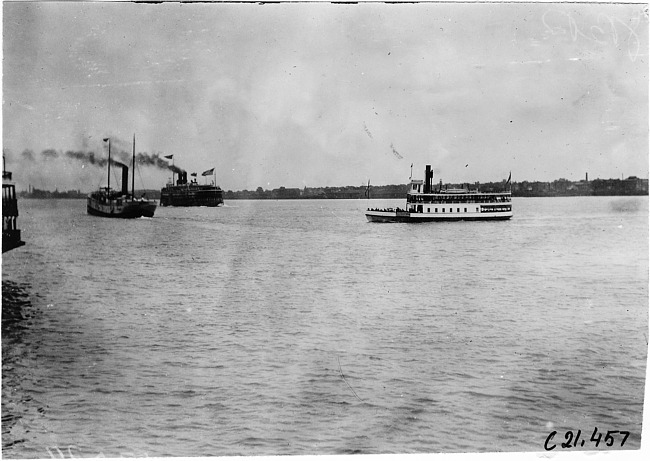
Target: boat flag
[509, 178]
[207, 172]
[169, 156]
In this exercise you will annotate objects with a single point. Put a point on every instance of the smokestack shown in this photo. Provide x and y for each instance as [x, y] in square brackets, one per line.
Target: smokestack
[586, 177]
[125, 180]
[427, 180]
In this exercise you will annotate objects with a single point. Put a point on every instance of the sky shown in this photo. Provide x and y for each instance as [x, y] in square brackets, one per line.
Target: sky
[320, 94]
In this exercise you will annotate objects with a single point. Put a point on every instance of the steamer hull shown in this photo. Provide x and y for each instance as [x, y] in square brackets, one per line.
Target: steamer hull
[10, 233]
[117, 208]
[190, 193]
[388, 217]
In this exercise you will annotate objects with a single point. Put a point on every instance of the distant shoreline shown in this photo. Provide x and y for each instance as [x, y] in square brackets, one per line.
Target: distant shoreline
[631, 186]
[67, 197]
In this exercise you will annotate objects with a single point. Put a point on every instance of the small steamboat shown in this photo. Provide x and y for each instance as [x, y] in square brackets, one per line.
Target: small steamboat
[109, 203]
[424, 204]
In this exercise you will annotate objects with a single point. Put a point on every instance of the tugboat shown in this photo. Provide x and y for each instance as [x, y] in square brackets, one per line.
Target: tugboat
[108, 203]
[191, 194]
[10, 232]
[424, 204]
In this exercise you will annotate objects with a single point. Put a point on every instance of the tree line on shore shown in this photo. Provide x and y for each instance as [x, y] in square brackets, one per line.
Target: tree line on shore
[558, 188]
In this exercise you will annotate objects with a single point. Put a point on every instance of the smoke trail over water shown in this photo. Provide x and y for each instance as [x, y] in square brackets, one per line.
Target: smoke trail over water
[154, 160]
[28, 155]
[89, 157]
[50, 153]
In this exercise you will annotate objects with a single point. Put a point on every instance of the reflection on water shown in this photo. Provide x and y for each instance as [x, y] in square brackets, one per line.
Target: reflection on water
[15, 306]
[16, 314]
[625, 205]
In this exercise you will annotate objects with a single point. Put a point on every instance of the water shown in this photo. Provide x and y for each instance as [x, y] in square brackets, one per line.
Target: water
[296, 327]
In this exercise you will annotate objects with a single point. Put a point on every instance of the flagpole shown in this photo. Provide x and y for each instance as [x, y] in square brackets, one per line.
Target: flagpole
[108, 188]
[133, 174]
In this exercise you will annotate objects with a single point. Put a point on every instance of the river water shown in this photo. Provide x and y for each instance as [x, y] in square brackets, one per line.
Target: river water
[298, 328]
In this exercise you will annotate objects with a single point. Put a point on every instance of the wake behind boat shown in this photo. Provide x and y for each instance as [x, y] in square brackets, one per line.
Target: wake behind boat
[424, 204]
[109, 203]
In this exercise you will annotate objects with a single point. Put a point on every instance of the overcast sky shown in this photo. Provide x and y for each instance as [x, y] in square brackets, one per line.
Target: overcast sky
[316, 94]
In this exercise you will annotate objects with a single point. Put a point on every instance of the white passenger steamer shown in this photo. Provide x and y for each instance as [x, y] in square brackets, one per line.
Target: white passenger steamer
[424, 204]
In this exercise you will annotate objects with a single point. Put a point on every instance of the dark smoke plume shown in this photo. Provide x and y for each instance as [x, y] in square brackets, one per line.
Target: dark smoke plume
[155, 160]
[141, 158]
[50, 153]
[28, 155]
[90, 158]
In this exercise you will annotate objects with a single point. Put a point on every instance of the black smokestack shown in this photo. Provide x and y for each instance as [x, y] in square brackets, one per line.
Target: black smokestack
[427, 180]
[125, 180]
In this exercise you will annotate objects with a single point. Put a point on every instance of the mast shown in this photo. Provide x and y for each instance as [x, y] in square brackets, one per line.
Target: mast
[133, 166]
[109, 164]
